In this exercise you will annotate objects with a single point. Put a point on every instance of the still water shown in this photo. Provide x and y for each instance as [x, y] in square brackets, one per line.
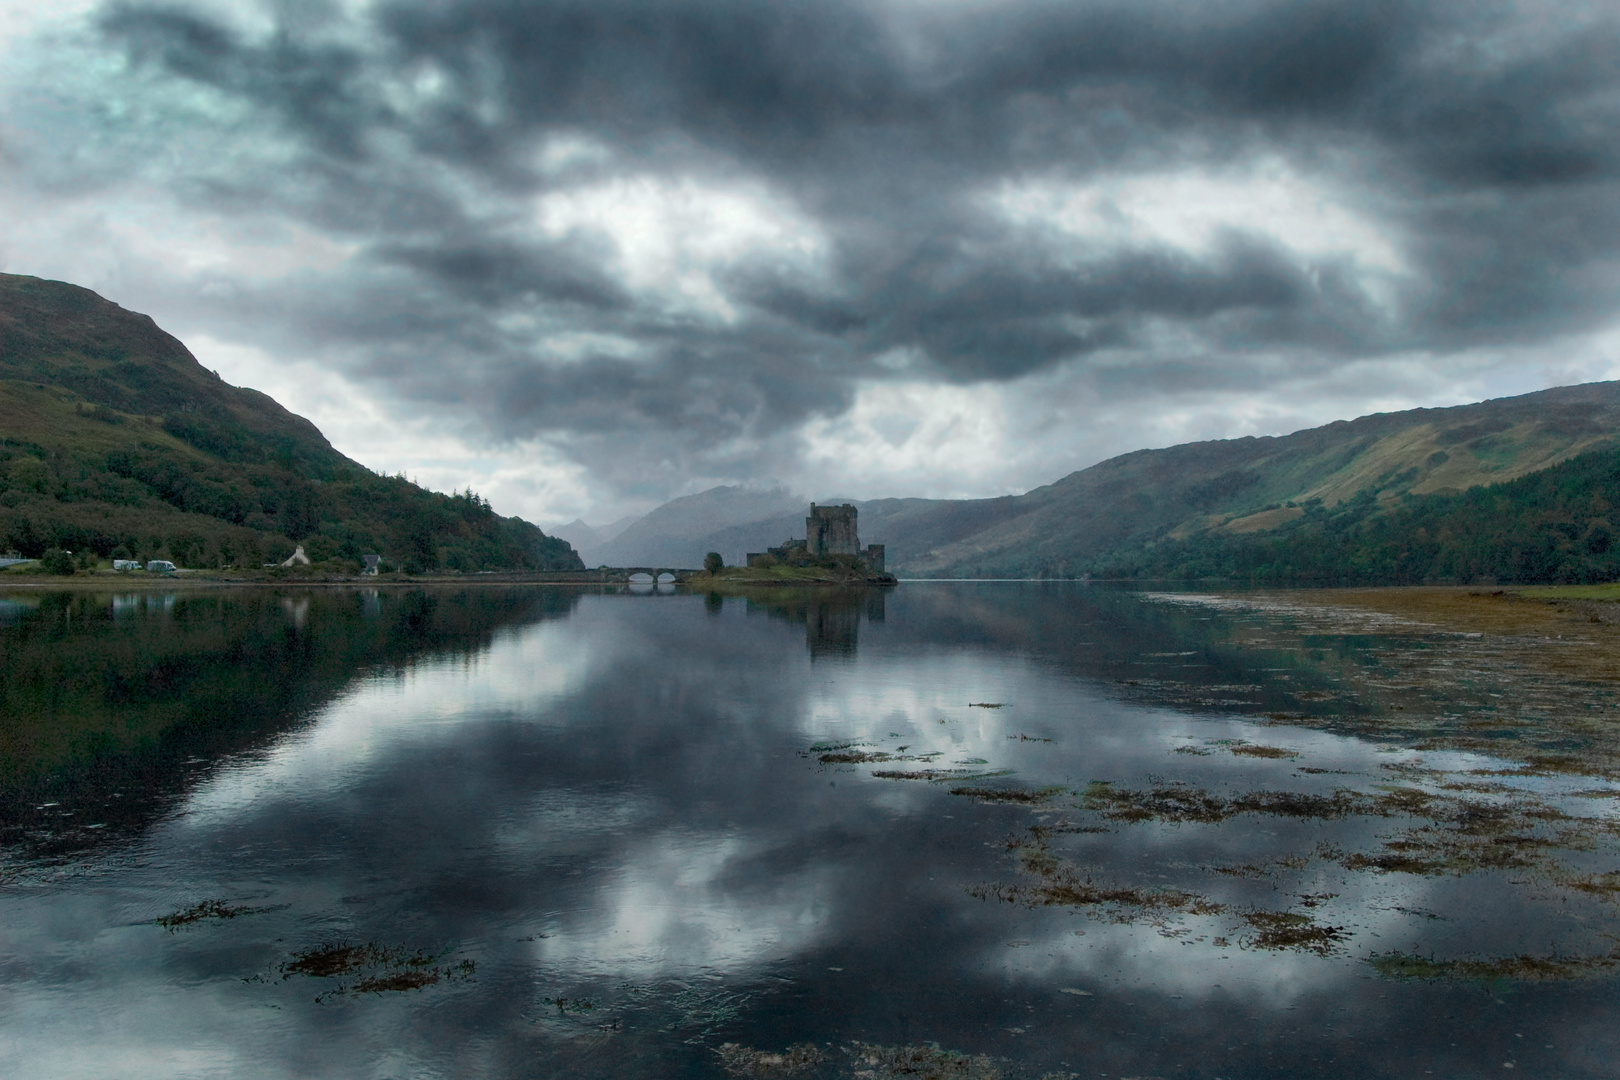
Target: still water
[947, 830]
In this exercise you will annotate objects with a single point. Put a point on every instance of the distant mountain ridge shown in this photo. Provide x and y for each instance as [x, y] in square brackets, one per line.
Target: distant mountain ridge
[113, 438]
[680, 532]
[1252, 486]
[586, 539]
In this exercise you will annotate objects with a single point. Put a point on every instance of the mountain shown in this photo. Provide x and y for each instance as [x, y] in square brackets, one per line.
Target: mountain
[1250, 486]
[114, 439]
[586, 539]
[1555, 526]
[681, 532]
[577, 535]
[1106, 517]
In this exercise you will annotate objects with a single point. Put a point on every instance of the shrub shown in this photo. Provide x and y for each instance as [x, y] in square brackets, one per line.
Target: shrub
[57, 561]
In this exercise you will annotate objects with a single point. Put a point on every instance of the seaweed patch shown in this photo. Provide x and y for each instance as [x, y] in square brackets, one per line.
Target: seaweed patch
[739, 1060]
[1183, 803]
[208, 909]
[1523, 968]
[1466, 835]
[1253, 750]
[926, 1062]
[376, 968]
[1290, 930]
[1061, 884]
[566, 1005]
[1023, 796]
[936, 775]
[1604, 886]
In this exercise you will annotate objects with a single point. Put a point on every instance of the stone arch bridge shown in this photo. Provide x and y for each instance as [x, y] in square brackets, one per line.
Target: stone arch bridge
[660, 574]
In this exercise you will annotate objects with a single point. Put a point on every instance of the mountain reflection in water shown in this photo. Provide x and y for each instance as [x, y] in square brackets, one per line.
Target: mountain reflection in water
[952, 830]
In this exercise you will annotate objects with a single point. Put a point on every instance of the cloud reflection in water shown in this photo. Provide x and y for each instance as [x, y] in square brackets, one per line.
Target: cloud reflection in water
[622, 803]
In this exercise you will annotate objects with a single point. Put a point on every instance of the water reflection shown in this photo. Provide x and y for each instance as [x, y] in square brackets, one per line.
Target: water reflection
[557, 832]
[128, 604]
[113, 704]
[831, 617]
[14, 609]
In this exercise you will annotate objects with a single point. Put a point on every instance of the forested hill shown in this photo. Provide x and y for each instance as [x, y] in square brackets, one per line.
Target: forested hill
[1555, 526]
[114, 439]
[1228, 494]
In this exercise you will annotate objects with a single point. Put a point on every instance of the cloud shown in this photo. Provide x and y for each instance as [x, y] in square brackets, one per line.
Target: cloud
[680, 243]
[671, 238]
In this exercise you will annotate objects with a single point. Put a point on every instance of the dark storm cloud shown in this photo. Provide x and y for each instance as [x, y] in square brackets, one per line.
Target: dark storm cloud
[1487, 131]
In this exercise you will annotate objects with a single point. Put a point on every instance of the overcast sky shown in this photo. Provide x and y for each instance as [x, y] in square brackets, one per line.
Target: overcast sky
[588, 256]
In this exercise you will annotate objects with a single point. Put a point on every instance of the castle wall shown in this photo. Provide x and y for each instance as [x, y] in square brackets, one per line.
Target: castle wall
[831, 530]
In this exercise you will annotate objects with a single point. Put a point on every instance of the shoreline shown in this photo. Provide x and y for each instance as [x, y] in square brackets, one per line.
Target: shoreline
[700, 582]
[188, 581]
[696, 581]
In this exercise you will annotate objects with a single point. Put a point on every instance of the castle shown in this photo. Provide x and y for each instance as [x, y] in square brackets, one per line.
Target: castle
[829, 530]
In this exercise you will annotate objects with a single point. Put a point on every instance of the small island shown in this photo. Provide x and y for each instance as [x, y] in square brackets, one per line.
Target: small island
[829, 554]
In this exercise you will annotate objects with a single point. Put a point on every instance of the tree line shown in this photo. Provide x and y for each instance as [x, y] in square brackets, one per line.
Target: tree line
[146, 500]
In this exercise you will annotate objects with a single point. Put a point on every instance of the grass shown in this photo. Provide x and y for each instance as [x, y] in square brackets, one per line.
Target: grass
[54, 417]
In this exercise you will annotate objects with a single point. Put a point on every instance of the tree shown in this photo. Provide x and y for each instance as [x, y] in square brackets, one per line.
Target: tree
[57, 561]
[30, 474]
[713, 563]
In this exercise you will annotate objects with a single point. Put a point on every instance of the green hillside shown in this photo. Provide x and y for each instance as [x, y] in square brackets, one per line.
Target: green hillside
[1556, 526]
[1208, 495]
[114, 440]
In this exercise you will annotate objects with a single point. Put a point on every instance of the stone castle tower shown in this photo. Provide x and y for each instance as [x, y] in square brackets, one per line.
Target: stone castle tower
[830, 530]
